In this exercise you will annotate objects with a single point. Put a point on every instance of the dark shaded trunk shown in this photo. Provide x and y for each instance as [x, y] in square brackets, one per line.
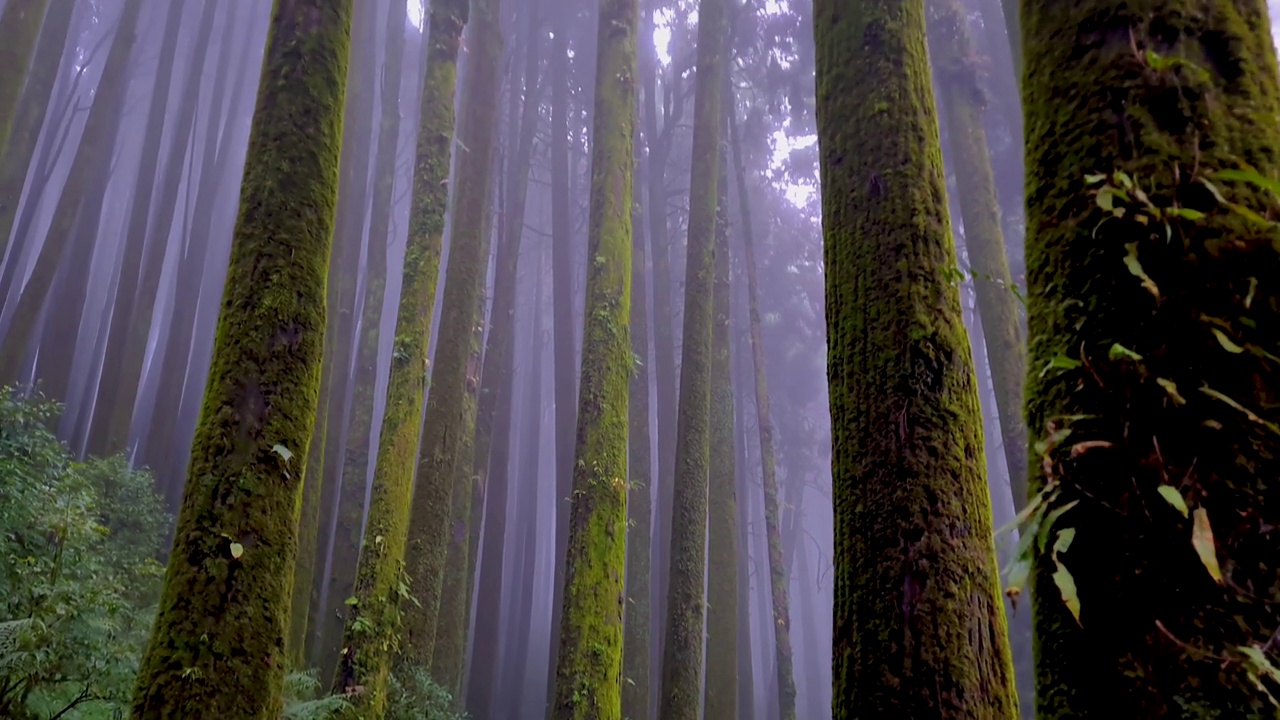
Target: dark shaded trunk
[19, 31]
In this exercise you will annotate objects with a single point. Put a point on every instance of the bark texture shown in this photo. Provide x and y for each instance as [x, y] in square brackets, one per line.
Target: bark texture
[919, 621]
[1152, 375]
[217, 649]
[589, 663]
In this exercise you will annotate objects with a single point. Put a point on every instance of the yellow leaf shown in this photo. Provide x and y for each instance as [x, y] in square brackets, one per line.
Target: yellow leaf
[1174, 498]
[236, 550]
[1202, 541]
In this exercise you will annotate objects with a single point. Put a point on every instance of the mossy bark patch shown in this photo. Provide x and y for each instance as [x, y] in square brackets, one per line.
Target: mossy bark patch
[1152, 368]
[588, 683]
[373, 626]
[919, 622]
[218, 645]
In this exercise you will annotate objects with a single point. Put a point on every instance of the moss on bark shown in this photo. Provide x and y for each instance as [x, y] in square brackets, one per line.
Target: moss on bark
[1173, 323]
[680, 691]
[589, 662]
[371, 638]
[919, 622]
[217, 649]
[778, 586]
[720, 691]
[453, 373]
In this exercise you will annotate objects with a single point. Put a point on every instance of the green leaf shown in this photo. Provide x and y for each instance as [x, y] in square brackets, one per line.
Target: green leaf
[1225, 342]
[1202, 541]
[1067, 586]
[1060, 362]
[282, 451]
[1135, 268]
[1095, 178]
[1186, 213]
[1106, 199]
[236, 550]
[1119, 352]
[1172, 388]
[1250, 176]
[351, 601]
[1049, 520]
[1173, 497]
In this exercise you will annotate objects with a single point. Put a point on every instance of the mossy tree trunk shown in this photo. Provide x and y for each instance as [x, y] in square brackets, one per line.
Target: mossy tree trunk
[919, 620]
[636, 622]
[720, 691]
[962, 102]
[360, 442]
[1152, 375]
[217, 649]
[778, 585]
[680, 691]
[373, 621]
[19, 31]
[453, 376]
[589, 663]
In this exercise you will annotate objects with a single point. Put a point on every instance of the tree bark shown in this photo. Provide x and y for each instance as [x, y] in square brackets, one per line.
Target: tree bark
[920, 627]
[217, 647]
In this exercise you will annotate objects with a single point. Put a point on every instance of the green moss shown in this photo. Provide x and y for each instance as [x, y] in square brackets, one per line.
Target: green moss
[218, 645]
[446, 406]
[1168, 93]
[721, 684]
[308, 529]
[778, 585]
[371, 636]
[919, 622]
[589, 661]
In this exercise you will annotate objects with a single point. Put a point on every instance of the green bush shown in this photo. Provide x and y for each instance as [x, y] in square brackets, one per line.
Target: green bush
[414, 696]
[78, 574]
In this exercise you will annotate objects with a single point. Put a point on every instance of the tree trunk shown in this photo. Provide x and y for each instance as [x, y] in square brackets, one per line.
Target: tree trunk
[105, 439]
[88, 173]
[217, 647]
[920, 626]
[374, 620]
[589, 661]
[30, 112]
[780, 611]
[493, 439]
[1148, 325]
[682, 650]
[635, 644]
[720, 691]
[19, 31]
[454, 376]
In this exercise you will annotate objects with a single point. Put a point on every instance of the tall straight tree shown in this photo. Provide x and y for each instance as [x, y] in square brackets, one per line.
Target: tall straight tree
[382, 555]
[919, 620]
[589, 664]
[453, 375]
[217, 649]
[778, 585]
[1154, 324]
[680, 691]
[720, 692]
